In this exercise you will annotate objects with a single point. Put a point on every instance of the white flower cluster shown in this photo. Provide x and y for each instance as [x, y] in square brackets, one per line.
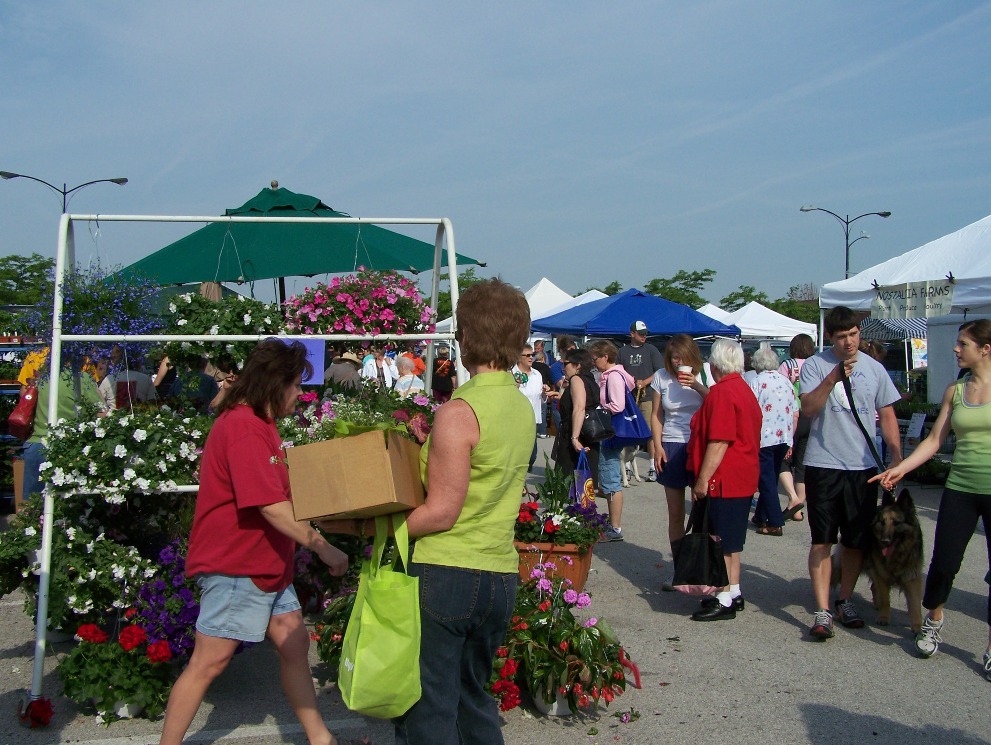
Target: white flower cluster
[124, 453]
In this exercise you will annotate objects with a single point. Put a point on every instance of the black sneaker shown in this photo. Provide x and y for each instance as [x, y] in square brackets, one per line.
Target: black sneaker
[822, 625]
[848, 615]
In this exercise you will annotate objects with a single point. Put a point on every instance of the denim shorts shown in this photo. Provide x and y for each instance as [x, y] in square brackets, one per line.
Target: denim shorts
[235, 608]
[610, 470]
[675, 474]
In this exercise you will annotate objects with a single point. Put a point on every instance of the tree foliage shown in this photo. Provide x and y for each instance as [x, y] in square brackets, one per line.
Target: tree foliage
[684, 287]
[741, 296]
[613, 288]
[24, 280]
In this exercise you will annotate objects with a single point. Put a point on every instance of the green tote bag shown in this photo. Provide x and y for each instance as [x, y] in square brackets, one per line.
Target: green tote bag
[379, 674]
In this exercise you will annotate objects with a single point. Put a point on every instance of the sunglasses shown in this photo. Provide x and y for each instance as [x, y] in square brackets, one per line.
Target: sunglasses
[526, 355]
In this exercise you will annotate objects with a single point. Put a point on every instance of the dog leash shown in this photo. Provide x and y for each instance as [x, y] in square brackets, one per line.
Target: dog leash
[856, 416]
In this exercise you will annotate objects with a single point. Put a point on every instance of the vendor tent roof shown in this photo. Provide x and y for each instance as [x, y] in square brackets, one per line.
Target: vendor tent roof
[884, 329]
[965, 254]
[612, 316]
[542, 297]
[713, 311]
[756, 320]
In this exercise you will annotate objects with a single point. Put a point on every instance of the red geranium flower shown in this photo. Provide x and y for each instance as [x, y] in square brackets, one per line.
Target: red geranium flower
[550, 527]
[509, 668]
[132, 636]
[130, 612]
[91, 633]
[37, 713]
[159, 651]
[525, 516]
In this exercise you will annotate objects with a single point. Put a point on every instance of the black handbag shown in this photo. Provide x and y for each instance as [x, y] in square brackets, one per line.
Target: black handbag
[699, 568]
[597, 425]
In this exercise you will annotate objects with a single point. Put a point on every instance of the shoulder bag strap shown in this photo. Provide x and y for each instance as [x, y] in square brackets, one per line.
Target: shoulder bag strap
[853, 409]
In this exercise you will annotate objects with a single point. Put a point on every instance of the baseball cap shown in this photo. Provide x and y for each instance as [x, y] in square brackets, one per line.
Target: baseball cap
[639, 326]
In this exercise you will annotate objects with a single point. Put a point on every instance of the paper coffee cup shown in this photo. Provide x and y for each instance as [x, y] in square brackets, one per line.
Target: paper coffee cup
[685, 369]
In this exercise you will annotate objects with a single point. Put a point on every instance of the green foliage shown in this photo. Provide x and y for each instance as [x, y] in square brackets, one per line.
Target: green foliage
[103, 675]
[800, 310]
[741, 296]
[466, 279]
[552, 650]
[933, 471]
[684, 287]
[25, 280]
[232, 314]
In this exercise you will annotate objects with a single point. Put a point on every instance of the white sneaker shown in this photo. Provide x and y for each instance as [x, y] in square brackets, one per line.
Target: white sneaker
[651, 474]
[927, 641]
[987, 665]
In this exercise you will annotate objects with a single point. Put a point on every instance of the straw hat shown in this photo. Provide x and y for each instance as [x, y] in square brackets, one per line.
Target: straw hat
[348, 357]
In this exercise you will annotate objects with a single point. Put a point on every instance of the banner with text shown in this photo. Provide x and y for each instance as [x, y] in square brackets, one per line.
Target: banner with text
[913, 300]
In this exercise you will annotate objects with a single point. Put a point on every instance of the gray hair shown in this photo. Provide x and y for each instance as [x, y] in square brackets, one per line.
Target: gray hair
[765, 358]
[404, 363]
[727, 356]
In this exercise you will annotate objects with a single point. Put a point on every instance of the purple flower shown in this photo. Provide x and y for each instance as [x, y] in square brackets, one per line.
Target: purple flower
[544, 585]
[584, 600]
[591, 622]
[570, 596]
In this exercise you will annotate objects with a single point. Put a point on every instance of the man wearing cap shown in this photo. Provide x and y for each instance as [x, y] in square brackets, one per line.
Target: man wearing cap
[344, 371]
[641, 360]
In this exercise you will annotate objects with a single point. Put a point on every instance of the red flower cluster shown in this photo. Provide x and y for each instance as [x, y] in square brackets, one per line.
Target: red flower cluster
[37, 713]
[508, 693]
[159, 651]
[130, 612]
[509, 668]
[132, 636]
[527, 512]
[91, 633]
[550, 527]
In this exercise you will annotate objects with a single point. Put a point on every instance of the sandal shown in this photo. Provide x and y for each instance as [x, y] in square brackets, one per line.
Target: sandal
[792, 512]
[771, 530]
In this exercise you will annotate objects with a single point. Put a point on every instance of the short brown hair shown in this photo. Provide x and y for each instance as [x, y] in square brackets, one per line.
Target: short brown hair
[271, 367]
[840, 318]
[685, 347]
[579, 357]
[603, 348]
[493, 324]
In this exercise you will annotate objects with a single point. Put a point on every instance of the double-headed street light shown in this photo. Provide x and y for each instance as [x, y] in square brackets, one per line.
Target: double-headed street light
[846, 222]
[64, 191]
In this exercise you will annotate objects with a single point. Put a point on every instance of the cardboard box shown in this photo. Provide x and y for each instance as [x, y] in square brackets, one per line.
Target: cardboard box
[362, 476]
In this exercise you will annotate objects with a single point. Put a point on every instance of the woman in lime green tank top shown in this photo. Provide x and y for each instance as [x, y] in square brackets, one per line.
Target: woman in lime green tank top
[473, 466]
[966, 409]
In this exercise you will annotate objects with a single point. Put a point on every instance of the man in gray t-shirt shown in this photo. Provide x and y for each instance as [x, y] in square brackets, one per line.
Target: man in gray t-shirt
[839, 462]
[641, 359]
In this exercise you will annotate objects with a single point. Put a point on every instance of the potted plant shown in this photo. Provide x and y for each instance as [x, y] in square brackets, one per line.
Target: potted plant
[565, 657]
[120, 678]
[551, 523]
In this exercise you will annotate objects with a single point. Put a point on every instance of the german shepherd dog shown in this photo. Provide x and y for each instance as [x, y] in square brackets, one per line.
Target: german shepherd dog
[894, 558]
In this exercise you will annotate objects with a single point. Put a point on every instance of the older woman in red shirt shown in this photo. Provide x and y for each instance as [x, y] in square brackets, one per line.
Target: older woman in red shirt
[724, 456]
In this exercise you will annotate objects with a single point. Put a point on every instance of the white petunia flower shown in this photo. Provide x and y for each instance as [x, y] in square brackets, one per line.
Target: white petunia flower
[87, 449]
[129, 474]
[100, 432]
[29, 531]
[120, 451]
[181, 322]
[172, 308]
[214, 330]
[247, 319]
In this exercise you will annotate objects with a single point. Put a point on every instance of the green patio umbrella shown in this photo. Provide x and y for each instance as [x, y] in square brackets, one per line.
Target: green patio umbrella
[244, 252]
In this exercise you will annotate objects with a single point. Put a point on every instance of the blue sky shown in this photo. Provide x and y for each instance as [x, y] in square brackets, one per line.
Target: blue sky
[581, 141]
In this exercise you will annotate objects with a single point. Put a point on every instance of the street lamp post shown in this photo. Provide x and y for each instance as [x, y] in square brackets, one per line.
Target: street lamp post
[64, 191]
[846, 222]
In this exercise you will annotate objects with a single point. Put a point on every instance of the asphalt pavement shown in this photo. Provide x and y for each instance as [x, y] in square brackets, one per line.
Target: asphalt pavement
[756, 679]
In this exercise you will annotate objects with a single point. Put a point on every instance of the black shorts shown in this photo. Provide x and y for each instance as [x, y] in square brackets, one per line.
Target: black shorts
[840, 503]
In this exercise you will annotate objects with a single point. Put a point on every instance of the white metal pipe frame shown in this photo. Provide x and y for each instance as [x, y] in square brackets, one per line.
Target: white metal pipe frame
[65, 261]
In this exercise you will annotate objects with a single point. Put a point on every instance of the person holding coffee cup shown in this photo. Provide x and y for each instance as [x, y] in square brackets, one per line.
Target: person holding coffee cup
[677, 390]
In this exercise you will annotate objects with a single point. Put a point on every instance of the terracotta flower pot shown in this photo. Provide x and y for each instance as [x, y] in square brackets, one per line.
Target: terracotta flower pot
[570, 563]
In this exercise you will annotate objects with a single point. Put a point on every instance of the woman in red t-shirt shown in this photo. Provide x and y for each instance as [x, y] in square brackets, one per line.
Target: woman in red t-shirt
[243, 540]
[724, 456]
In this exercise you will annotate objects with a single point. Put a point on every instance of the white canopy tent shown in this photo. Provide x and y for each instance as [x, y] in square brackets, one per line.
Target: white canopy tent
[542, 297]
[714, 311]
[758, 321]
[965, 254]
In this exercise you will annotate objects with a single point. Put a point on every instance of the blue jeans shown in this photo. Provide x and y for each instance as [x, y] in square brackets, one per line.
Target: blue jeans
[768, 509]
[464, 616]
[34, 455]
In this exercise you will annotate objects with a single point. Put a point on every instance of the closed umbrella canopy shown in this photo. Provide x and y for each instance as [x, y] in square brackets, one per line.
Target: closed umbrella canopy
[245, 252]
[612, 316]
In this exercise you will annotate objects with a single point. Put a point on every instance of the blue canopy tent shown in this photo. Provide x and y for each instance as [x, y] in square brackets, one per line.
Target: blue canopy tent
[612, 316]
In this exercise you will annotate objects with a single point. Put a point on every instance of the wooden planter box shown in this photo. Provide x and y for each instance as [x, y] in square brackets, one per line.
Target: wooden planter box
[576, 570]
